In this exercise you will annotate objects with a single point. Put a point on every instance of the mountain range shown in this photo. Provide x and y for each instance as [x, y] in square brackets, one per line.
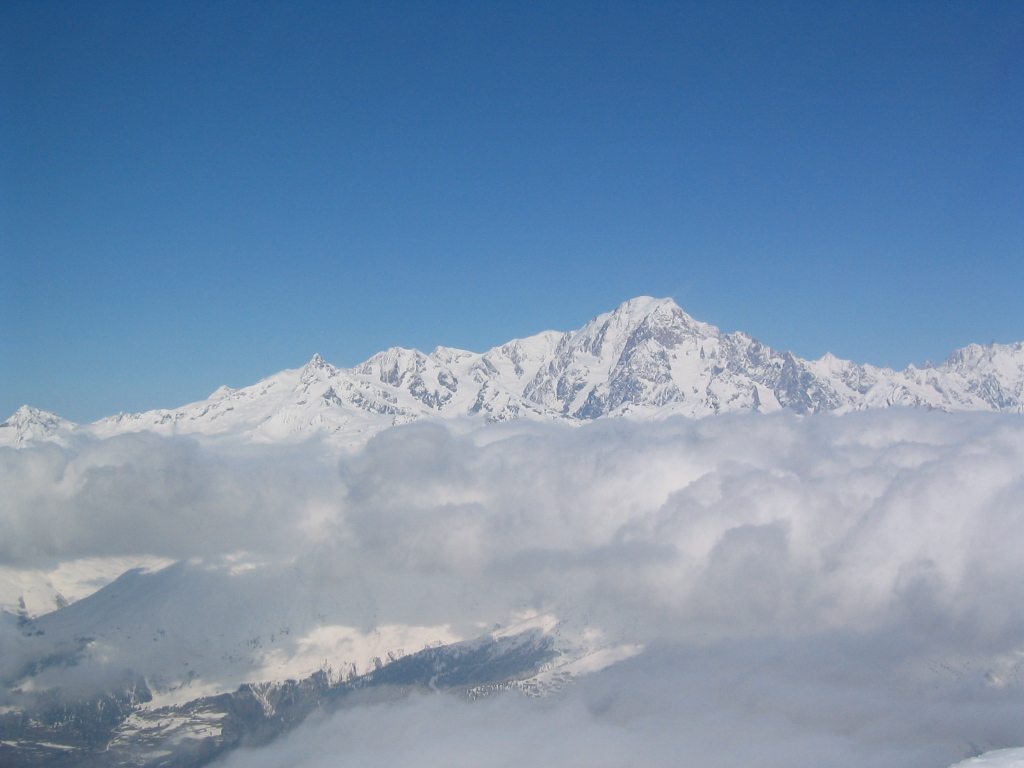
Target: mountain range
[125, 657]
[647, 359]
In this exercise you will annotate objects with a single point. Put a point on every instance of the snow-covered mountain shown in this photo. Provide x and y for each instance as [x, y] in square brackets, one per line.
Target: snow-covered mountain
[646, 359]
[180, 665]
[29, 424]
[487, 557]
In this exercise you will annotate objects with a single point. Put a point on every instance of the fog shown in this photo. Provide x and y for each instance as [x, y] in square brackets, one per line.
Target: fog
[809, 590]
[840, 700]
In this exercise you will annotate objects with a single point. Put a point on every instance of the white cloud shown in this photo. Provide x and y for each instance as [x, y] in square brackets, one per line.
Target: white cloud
[803, 578]
[842, 700]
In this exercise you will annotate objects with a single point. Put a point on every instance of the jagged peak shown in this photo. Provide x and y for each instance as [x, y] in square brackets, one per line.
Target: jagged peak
[317, 365]
[833, 363]
[611, 331]
[646, 309]
[448, 355]
[391, 355]
[28, 423]
[26, 415]
[317, 369]
[543, 342]
[645, 305]
[978, 355]
[647, 353]
[21, 415]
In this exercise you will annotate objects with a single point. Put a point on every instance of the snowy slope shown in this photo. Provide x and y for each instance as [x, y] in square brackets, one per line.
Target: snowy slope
[647, 359]
[200, 636]
[28, 424]
[31, 592]
[199, 627]
[192, 630]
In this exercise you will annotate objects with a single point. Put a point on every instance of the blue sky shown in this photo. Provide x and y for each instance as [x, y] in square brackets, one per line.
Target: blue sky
[196, 194]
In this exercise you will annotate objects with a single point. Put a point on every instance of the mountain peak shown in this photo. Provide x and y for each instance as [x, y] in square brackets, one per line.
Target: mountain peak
[317, 365]
[660, 312]
[645, 305]
[28, 415]
[647, 358]
[448, 355]
[28, 423]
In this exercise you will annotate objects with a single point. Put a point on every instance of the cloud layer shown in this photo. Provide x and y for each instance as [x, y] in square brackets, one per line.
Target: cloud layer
[848, 587]
[840, 700]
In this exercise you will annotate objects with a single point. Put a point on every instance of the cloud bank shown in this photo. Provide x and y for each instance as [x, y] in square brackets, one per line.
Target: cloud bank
[841, 590]
[839, 700]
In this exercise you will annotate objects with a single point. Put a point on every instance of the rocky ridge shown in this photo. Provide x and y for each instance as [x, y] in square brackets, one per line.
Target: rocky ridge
[647, 359]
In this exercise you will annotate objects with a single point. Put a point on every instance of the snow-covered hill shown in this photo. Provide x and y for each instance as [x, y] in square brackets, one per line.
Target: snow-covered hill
[647, 359]
[29, 424]
[199, 657]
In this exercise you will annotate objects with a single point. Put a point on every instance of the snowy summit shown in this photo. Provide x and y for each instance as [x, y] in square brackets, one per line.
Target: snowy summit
[647, 359]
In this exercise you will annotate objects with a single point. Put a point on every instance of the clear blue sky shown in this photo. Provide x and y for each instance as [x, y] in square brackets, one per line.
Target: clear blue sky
[196, 194]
